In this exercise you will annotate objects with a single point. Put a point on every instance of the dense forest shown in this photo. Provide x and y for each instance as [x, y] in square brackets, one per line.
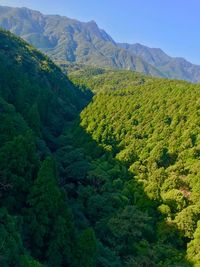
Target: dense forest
[98, 169]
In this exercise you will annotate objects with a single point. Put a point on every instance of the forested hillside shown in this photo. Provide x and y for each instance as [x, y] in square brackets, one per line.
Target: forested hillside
[151, 126]
[114, 186]
[37, 102]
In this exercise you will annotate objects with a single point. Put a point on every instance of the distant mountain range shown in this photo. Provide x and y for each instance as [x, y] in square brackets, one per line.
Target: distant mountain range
[65, 39]
[170, 67]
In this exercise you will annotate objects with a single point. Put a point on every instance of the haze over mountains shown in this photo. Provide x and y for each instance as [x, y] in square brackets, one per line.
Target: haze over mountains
[65, 39]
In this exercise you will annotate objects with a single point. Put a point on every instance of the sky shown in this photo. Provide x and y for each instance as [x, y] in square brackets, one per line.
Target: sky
[172, 25]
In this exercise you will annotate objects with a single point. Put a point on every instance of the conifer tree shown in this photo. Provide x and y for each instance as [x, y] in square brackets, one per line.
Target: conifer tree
[49, 221]
[86, 252]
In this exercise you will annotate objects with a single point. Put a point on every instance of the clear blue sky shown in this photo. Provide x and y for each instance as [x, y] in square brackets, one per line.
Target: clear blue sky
[172, 25]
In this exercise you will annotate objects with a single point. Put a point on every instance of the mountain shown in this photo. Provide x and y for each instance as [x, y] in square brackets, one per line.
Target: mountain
[175, 68]
[155, 56]
[67, 39]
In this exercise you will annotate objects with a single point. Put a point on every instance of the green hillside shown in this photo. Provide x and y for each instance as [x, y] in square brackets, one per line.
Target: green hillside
[37, 102]
[111, 184]
[151, 126]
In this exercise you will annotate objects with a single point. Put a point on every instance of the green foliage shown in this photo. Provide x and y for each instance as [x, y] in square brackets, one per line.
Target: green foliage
[27, 261]
[129, 227]
[35, 86]
[34, 119]
[48, 218]
[86, 250]
[117, 186]
[151, 127]
[187, 219]
[19, 165]
[37, 102]
[11, 248]
[193, 251]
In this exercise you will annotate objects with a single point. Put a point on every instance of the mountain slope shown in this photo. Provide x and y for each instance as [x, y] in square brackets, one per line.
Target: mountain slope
[66, 39]
[152, 126]
[175, 68]
[46, 87]
[36, 103]
[103, 189]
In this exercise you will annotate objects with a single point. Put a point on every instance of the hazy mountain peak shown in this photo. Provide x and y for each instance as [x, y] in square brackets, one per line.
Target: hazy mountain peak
[92, 23]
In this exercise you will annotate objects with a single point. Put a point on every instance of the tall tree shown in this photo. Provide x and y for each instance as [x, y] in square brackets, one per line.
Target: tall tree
[18, 168]
[49, 221]
[86, 252]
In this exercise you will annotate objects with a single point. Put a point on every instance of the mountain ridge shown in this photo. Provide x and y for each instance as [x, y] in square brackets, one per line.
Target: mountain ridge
[167, 64]
[67, 39]
[70, 40]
